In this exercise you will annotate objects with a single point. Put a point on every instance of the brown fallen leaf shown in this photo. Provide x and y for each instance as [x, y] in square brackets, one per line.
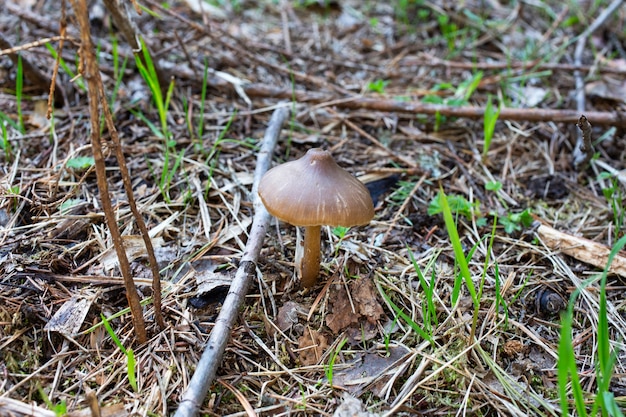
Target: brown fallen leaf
[357, 315]
[365, 297]
[342, 314]
[311, 347]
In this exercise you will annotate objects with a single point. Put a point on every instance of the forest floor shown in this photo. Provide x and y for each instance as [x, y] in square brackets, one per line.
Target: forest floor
[406, 318]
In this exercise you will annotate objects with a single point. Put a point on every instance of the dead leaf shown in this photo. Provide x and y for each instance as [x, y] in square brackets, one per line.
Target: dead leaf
[612, 91]
[362, 322]
[352, 407]
[135, 248]
[342, 314]
[370, 370]
[288, 315]
[311, 347]
[68, 319]
[365, 298]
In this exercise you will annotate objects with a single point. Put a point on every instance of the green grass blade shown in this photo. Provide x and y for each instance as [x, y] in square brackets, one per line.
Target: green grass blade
[456, 246]
[333, 358]
[111, 333]
[406, 318]
[606, 359]
[131, 365]
[19, 88]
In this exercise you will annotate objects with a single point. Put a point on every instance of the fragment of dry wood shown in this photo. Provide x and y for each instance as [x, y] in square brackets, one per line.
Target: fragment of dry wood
[585, 250]
[11, 407]
[427, 60]
[98, 101]
[220, 334]
[357, 102]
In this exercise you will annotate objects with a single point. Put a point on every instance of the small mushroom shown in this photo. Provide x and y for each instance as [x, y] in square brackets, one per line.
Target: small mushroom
[314, 191]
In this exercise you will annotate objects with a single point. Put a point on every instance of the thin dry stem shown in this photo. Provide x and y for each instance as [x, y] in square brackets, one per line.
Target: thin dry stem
[91, 75]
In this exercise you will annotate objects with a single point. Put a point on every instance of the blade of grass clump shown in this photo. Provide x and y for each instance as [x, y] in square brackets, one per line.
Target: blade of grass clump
[429, 310]
[566, 365]
[118, 71]
[424, 335]
[489, 124]
[130, 356]
[606, 358]
[457, 247]
[19, 87]
[205, 78]
[332, 359]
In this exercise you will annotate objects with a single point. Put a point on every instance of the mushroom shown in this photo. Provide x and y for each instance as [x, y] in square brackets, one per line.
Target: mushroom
[311, 192]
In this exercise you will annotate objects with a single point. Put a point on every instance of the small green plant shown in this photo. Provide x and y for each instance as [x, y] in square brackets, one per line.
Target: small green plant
[489, 124]
[59, 409]
[458, 205]
[340, 232]
[331, 361]
[460, 95]
[615, 197]
[6, 123]
[80, 162]
[566, 364]
[449, 31]
[377, 86]
[514, 222]
[494, 186]
[19, 87]
[400, 313]
[170, 163]
[130, 356]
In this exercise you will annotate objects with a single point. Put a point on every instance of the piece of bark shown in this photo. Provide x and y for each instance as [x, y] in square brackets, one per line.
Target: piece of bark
[585, 250]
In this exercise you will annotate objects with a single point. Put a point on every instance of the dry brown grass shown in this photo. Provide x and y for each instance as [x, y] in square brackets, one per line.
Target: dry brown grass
[55, 249]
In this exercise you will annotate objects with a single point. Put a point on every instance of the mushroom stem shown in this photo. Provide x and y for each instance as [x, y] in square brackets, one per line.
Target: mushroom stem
[310, 263]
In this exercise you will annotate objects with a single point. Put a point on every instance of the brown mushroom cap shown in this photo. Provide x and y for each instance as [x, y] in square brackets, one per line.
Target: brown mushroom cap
[313, 191]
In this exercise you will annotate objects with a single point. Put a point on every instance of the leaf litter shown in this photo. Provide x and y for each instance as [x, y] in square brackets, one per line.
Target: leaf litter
[54, 242]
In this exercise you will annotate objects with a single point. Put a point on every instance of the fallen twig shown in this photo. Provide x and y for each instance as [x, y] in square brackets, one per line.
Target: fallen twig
[585, 250]
[215, 347]
[31, 72]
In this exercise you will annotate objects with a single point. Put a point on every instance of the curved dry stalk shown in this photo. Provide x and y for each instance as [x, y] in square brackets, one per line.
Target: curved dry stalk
[581, 153]
[97, 98]
[215, 347]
